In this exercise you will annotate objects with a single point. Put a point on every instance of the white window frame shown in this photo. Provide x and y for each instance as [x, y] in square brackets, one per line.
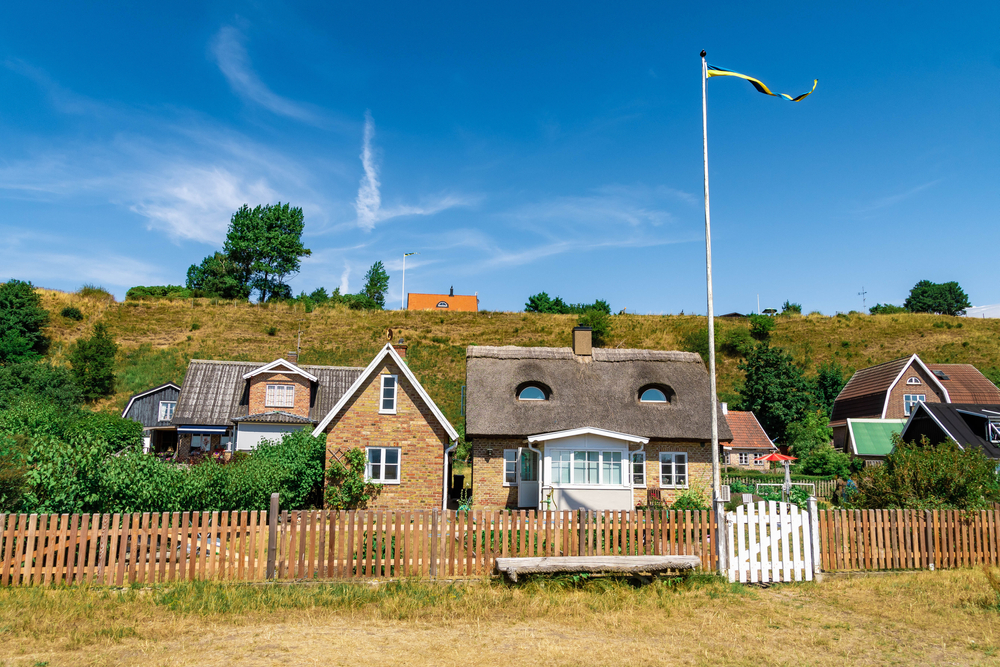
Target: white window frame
[510, 461]
[673, 470]
[381, 479]
[557, 465]
[913, 380]
[910, 401]
[744, 458]
[382, 410]
[163, 408]
[638, 459]
[286, 398]
[993, 431]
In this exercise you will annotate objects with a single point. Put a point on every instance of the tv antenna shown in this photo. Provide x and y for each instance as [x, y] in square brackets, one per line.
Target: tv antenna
[862, 293]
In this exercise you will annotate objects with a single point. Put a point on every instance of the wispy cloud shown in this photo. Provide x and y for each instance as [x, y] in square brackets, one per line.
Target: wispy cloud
[891, 200]
[368, 203]
[345, 285]
[62, 99]
[229, 49]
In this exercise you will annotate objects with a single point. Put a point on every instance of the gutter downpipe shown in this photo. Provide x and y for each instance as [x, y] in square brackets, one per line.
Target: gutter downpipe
[541, 470]
[444, 476]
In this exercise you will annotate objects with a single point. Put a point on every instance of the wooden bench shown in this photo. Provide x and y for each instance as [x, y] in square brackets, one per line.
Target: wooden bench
[513, 567]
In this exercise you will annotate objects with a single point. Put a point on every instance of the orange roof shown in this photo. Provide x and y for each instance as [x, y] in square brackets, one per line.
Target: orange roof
[460, 302]
[965, 384]
[747, 431]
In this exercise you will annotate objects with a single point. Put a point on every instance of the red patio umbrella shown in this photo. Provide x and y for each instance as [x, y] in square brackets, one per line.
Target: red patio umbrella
[778, 456]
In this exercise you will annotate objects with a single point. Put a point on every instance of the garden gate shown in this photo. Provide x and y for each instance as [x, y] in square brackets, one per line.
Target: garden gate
[772, 541]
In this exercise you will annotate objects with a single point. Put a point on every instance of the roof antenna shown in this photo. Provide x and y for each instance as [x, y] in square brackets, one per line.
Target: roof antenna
[864, 308]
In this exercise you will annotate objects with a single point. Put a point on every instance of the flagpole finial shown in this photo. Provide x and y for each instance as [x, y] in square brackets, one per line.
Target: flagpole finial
[703, 54]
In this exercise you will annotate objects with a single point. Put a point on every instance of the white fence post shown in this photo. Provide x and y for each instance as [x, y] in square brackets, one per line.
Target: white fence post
[814, 524]
[721, 537]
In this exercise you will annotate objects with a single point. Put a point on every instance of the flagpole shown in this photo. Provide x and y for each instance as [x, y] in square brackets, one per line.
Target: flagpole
[716, 479]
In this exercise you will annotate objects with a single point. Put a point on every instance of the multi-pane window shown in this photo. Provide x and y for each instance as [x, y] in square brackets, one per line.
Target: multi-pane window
[529, 466]
[167, 410]
[913, 380]
[588, 467]
[510, 467]
[387, 403]
[744, 458]
[673, 470]
[994, 430]
[638, 468]
[910, 401]
[383, 465]
[280, 396]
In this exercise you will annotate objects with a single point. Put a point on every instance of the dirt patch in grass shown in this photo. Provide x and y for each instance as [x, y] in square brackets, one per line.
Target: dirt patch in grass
[927, 618]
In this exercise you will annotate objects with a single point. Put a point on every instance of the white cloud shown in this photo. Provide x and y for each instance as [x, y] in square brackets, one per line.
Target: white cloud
[345, 285]
[884, 202]
[234, 63]
[369, 199]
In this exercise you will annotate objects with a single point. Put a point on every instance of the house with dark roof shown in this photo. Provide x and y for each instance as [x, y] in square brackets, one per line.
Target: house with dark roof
[584, 428]
[969, 425]
[891, 390]
[749, 442]
[154, 409]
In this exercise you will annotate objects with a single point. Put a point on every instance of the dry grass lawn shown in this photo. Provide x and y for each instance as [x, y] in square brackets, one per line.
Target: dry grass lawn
[924, 618]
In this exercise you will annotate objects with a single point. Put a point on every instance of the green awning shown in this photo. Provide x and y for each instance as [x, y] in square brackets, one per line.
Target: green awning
[873, 437]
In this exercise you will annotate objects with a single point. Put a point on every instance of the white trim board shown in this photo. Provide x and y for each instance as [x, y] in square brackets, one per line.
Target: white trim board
[289, 366]
[587, 430]
[147, 393]
[930, 373]
[407, 373]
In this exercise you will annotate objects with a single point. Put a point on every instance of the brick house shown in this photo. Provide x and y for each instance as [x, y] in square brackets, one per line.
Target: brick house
[406, 437]
[571, 428]
[891, 390]
[749, 442]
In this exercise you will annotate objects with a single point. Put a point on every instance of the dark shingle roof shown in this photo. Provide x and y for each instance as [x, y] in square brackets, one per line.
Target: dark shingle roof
[747, 431]
[966, 423]
[601, 393]
[214, 392]
[274, 417]
[864, 393]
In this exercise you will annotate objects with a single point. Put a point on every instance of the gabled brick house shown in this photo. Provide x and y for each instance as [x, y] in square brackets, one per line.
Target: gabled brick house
[749, 442]
[406, 437]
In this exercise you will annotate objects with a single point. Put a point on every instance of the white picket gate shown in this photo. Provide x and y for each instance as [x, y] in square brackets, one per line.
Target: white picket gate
[771, 542]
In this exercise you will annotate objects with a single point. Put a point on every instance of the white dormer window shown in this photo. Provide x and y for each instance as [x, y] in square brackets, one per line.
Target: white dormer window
[280, 396]
[994, 430]
[167, 410]
[387, 394]
[913, 380]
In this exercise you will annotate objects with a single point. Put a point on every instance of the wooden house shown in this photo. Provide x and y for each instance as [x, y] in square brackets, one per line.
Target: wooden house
[154, 409]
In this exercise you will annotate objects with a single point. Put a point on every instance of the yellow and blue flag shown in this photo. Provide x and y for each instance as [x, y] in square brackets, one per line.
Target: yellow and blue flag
[719, 71]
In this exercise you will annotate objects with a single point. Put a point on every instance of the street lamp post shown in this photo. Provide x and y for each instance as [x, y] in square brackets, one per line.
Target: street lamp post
[402, 299]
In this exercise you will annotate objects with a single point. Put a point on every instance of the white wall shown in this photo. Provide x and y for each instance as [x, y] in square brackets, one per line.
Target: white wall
[594, 498]
[249, 435]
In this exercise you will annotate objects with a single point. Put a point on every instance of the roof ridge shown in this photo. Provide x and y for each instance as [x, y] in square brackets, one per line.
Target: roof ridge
[264, 363]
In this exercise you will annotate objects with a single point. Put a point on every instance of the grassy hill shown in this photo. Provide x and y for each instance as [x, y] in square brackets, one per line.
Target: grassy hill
[159, 337]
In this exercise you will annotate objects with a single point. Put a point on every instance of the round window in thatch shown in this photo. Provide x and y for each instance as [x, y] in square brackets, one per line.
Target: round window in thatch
[656, 393]
[533, 391]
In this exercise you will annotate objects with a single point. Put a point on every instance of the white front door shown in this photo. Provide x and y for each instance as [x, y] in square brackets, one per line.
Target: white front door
[527, 478]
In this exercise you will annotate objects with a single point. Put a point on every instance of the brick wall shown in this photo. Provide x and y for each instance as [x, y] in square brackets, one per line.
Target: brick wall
[489, 493]
[414, 429]
[926, 387]
[258, 393]
[732, 457]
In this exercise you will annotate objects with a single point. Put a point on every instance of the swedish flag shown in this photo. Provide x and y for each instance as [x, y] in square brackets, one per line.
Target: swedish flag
[719, 71]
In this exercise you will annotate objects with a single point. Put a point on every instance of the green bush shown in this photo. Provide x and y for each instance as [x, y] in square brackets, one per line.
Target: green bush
[599, 323]
[690, 499]
[71, 313]
[89, 291]
[347, 488]
[761, 326]
[736, 342]
[22, 322]
[141, 292]
[93, 362]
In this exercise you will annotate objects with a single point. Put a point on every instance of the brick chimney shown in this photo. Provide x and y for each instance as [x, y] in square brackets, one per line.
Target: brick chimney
[582, 341]
[400, 347]
[292, 357]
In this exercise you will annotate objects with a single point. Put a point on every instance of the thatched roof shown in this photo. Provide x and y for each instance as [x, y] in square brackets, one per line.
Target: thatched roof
[602, 392]
[215, 393]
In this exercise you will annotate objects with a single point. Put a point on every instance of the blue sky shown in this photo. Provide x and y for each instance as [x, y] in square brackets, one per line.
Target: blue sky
[518, 147]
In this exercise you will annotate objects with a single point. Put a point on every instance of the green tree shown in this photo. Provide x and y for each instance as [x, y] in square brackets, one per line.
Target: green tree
[600, 323]
[347, 488]
[829, 380]
[265, 243]
[921, 476]
[22, 319]
[944, 298]
[761, 326]
[788, 308]
[93, 363]
[376, 284]
[774, 389]
[808, 433]
[38, 380]
[825, 460]
[885, 309]
[219, 276]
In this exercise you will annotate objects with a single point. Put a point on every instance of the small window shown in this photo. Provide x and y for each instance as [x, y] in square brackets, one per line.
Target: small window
[994, 431]
[280, 396]
[638, 468]
[913, 380]
[532, 392]
[673, 470]
[383, 465]
[510, 467]
[529, 466]
[653, 395]
[167, 410]
[744, 458]
[442, 304]
[910, 401]
[388, 393]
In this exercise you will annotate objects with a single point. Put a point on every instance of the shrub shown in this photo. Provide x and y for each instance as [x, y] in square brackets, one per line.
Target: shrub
[736, 342]
[696, 341]
[789, 308]
[89, 291]
[600, 324]
[22, 320]
[271, 330]
[141, 292]
[347, 488]
[886, 309]
[93, 362]
[690, 499]
[195, 326]
[71, 313]
[761, 326]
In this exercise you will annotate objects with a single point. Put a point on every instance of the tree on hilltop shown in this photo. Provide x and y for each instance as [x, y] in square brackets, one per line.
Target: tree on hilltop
[265, 243]
[944, 298]
[22, 319]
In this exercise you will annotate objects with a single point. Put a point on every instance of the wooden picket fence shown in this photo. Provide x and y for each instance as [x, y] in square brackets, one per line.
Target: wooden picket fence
[908, 539]
[121, 549]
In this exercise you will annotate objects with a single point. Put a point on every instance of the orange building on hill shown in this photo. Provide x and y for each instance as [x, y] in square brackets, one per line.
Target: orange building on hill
[460, 302]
